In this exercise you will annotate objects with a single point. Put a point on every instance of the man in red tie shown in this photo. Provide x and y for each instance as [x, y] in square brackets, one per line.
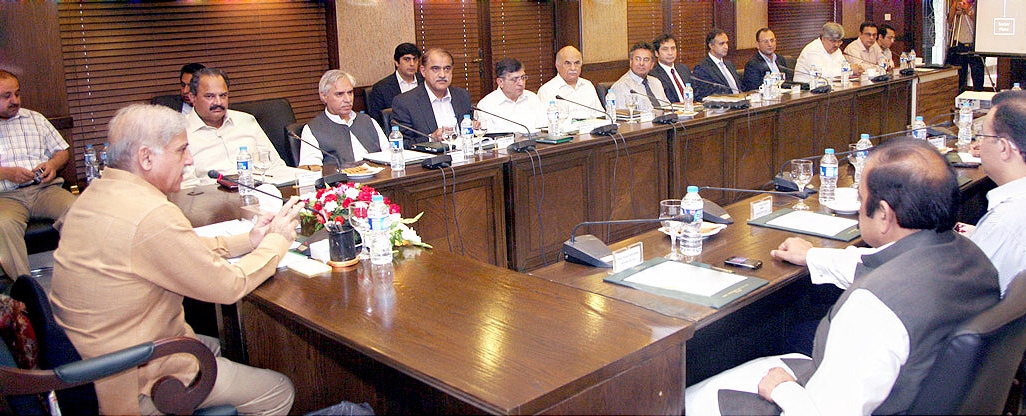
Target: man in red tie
[671, 73]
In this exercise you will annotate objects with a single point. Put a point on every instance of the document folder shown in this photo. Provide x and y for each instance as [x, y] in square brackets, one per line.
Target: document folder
[844, 229]
[691, 282]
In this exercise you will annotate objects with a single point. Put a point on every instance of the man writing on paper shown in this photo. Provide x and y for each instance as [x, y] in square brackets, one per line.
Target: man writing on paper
[880, 338]
[128, 256]
[568, 84]
[511, 101]
[339, 130]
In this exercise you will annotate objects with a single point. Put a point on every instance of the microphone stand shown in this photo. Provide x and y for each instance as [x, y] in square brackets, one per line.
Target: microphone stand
[440, 148]
[520, 146]
[606, 130]
[527, 129]
[589, 250]
[338, 162]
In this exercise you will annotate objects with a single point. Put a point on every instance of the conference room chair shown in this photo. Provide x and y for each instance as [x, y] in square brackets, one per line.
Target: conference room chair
[602, 88]
[386, 120]
[293, 131]
[273, 114]
[60, 368]
[974, 371]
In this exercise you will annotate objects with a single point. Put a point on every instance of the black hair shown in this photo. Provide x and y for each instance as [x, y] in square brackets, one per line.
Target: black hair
[916, 181]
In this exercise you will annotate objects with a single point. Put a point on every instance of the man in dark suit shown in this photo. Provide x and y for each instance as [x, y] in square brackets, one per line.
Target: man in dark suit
[405, 78]
[181, 103]
[672, 74]
[765, 60]
[715, 75]
[433, 104]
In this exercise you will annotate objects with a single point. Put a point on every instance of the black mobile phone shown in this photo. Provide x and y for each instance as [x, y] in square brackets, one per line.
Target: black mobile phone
[738, 261]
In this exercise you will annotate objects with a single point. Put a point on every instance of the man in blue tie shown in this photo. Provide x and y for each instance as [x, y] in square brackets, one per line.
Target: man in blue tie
[714, 75]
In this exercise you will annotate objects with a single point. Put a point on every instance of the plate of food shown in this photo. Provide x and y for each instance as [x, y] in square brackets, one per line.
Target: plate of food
[708, 229]
[363, 171]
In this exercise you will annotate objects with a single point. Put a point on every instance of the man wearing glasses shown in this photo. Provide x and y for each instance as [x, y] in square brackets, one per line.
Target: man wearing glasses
[434, 103]
[511, 101]
[648, 91]
[824, 53]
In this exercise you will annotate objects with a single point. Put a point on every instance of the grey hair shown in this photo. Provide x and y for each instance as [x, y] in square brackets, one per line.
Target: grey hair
[331, 77]
[140, 125]
[833, 31]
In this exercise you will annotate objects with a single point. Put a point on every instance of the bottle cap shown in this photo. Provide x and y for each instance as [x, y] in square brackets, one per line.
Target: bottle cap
[829, 150]
[692, 188]
[465, 116]
[919, 118]
[864, 136]
[243, 149]
[395, 128]
[377, 198]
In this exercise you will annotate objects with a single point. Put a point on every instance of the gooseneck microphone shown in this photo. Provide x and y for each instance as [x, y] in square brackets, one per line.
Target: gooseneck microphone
[527, 129]
[559, 97]
[715, 84]
[412, 130]
[878, 78]
[430, 146]
[589, 250]
[518, 146]
[213, 174]
[666, 118]
[825, 88]
[606, 130]
[338, 162]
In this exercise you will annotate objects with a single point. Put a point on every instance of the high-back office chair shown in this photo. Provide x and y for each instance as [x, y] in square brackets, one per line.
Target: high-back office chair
[64, 371]
[386, 120]
[974, 370]
[273, 114]
[601, 88]
[292, 131]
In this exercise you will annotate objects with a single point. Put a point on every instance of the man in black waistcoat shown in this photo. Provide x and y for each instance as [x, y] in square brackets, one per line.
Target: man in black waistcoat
[877, 343]
[339, 131]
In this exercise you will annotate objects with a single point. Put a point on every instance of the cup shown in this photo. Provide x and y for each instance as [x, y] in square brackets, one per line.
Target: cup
[919, 61]
[796, 89]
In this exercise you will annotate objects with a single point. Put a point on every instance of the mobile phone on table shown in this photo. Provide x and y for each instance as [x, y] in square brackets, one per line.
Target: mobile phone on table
[738, 261]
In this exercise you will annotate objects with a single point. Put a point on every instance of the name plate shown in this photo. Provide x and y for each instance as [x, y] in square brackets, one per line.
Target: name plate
[458, 156]
[501, 143]
[628, 257]
[762, 207]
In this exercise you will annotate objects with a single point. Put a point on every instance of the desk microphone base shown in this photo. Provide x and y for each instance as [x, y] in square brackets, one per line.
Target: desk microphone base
[588, 250]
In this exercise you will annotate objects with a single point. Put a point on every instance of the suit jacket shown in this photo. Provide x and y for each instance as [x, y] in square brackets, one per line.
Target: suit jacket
[413, 108]
[671, 91]
[381, 96]
[709, 72]
[173, 101]
[756, 68]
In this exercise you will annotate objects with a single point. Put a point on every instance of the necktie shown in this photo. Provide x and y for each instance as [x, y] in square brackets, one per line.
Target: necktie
[648, 91]
[680, 88]
[728, 77]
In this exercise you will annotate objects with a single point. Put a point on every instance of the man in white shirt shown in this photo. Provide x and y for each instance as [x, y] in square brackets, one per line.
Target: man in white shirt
[885, 40]
[339, 131]
[879, 340]
[568, 84]
[511, 101]
[674, 75]
[648, 91]
[216, 133]
[823, 52]
[863, 52]
[1001, 233]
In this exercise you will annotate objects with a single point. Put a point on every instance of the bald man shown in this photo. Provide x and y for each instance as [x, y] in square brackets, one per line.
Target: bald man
[569, 84]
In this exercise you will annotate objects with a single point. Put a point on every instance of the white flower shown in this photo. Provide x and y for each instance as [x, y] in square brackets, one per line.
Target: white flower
[410, 234]
[352, 193]
[330, 206]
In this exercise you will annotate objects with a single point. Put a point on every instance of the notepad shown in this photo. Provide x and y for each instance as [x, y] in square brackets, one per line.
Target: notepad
[693, 283]
[811, 223]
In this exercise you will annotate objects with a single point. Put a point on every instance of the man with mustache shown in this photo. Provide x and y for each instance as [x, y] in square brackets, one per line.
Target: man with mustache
[433, 104]
[216, 133]
[32, 152]
[568, 84]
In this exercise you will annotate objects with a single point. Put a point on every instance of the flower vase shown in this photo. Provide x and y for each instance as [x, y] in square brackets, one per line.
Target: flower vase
[342, 247]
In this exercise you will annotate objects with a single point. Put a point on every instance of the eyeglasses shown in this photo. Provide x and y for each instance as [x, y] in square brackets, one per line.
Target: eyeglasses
[517, 79]
[996, 138]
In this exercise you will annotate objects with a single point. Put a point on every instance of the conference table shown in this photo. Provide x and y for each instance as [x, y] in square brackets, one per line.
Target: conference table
[442, 332]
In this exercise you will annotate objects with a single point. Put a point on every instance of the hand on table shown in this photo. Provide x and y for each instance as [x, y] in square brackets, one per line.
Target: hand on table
[792, 250]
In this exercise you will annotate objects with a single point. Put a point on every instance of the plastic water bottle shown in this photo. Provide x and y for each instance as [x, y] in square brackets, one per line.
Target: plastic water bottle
[378, 218]
[845, 73]
[912, 58]
[883, 65]
[102, 156]
[611, 106]
[395, 142]
[827, 176]
[814, 73]
[244, 164]
[553, 115]
[692, 205]
[965, 124]
[861, 153]
[1016, 87]
[689, 98]
[903, 60]
[919, 128]
[467, 135]
[91, 164]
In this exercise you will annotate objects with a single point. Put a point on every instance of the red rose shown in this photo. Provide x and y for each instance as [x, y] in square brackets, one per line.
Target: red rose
[394, 209]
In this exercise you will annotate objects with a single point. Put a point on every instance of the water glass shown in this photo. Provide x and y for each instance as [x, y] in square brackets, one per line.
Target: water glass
[801, 172]
[670, 213]
[358, 217]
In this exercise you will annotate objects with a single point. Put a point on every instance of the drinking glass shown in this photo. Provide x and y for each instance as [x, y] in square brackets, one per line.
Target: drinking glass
[564, 114]
[632, 102]
[262, 163]
[858, 162]
[801, 172]
[479, 133]
[358, 217]
[449, 138]
[670, 213]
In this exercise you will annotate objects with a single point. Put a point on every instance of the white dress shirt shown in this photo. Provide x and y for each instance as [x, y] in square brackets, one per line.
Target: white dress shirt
[526, 110]
[584, 93]
[442, 108]
[726, 74]
[403, 85]
[217, 148]
[815, 54]
[631, 81]
[310, 156]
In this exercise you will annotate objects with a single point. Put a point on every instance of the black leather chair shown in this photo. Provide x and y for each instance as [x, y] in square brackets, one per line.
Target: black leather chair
[293, 131]
[386, 119]
[974, 371]
[64, 371]
[273, 114]
[602, 88]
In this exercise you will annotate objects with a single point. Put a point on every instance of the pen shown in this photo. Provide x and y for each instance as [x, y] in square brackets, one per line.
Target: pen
[722, 269]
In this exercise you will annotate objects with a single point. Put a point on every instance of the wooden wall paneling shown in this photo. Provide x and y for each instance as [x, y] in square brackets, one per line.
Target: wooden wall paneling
[562, 184]
[628, 181]
[454, 26]
[30, 49]
[796, 23]
[752, 136]
[691, 22]
[697, 159]
[568, 24]
[523, 30]
[477, 206]
[866, 120]
[644, 21]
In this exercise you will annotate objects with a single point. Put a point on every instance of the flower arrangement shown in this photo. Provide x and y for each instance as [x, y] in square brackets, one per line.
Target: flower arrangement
[335, 202]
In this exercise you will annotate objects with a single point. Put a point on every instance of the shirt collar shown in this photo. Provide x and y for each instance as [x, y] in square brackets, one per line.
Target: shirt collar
[771, 58]
[715, 60]
[403, 81]
[338, 119]
[194, 123]
[433, 98]
[635, 77]
[22, 112]
[1011, 190]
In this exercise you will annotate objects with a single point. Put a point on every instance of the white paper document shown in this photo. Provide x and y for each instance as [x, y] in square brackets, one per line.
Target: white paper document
[812, 222]
[232, 227]
[682, 277]
[385, 157]
[281, 175]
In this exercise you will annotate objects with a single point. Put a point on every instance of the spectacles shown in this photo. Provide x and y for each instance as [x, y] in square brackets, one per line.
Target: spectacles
[517, 79]
[996, 138]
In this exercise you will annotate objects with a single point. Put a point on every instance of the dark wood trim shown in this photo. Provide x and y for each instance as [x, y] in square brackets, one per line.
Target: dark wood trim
[331, 33]
[725, 17]
[486, 66]
[567, 24]
[605, 71]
